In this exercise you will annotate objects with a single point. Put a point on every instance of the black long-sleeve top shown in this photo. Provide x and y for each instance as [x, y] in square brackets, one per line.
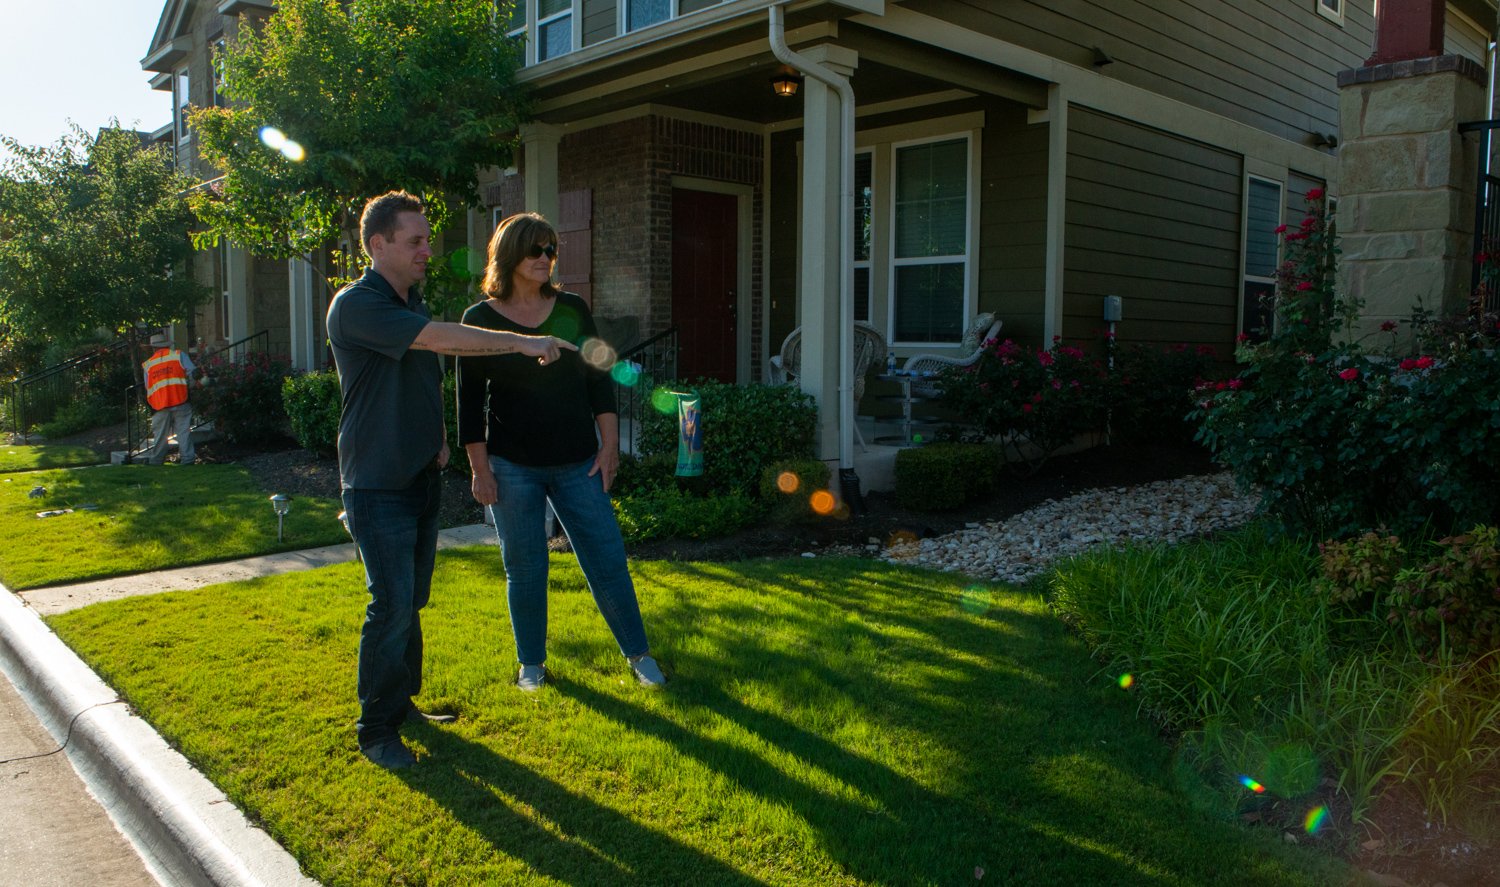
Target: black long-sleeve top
[527, 413]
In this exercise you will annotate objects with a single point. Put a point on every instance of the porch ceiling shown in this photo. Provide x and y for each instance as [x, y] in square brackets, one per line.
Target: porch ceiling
[729, 73]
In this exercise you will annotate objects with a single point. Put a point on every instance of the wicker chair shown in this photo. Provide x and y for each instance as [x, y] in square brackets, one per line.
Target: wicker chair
[869, 350]
[984, 328]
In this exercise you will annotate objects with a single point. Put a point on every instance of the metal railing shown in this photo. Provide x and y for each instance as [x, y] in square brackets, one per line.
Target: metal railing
[258, 343]
[655, 360]
[36, 397]
[1486, 215]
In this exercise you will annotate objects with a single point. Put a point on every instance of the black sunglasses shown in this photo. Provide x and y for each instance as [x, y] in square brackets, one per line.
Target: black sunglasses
[536, 251]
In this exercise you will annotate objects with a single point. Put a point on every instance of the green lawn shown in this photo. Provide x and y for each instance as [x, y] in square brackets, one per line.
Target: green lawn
[147, 518]
[828, 722]
[28, 458]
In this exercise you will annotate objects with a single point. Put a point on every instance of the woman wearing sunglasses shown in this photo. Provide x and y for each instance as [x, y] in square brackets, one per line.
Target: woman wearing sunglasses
[547, 432]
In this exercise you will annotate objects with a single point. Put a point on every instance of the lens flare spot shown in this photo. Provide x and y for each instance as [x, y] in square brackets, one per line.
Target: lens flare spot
[1126, 681]
[293, 151]
[626, 373]
[976, 600]
[1315, 819]
[787, 482]
[272, 138]
[598, 354]
[1251, 784]
[916, 438]
[664, 401]
[461, 263]
[822, 502]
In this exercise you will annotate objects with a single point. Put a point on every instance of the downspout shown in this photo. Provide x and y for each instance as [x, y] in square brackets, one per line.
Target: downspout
[840, 85]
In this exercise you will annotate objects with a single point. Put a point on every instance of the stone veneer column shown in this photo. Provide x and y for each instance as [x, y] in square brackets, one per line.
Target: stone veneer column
[1407, 177]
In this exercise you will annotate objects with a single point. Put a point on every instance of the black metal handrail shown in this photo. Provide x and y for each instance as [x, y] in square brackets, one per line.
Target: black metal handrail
[655, 362]
[38, 395]
[1486, 212]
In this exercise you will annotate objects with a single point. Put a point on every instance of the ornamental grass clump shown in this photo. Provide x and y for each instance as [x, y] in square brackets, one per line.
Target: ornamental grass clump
[1341, 436]
[1034, 401]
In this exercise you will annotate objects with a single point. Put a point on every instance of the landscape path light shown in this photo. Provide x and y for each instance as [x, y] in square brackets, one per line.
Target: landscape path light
[282, 504]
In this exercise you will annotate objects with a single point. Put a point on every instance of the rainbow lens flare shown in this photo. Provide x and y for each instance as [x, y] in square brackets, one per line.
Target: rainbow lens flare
[787, 482]
[1251, 784]
[1126, 681]
[822, 502]
[1315, 819]
[277, 140]
[976, 600]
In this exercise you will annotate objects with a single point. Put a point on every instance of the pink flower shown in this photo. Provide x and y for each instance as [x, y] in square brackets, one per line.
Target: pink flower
[1308, 222]
[1025, 407]
[1236, 384]
[1280, 229]
[1349, 375]
[1408, 364]
[1315, 194]
[1044, 358]
[1242, 337]
[1056, 384]
[1424, 362]
[1388, 327]
[1304, 285]
[1295, 235]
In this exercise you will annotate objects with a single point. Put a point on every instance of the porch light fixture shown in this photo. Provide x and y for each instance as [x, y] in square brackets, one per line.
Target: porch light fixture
[282, 504]
[785, 84]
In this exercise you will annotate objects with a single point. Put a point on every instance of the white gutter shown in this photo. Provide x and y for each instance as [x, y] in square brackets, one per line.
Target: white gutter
[840, 85]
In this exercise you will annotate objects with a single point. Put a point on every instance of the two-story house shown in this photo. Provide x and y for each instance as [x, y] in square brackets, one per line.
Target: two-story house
[1019, 157]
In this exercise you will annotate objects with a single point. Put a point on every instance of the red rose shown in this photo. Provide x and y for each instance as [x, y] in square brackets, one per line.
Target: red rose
[1424, 363]
[1315, 194]
[1388, 327]
[1349, 375]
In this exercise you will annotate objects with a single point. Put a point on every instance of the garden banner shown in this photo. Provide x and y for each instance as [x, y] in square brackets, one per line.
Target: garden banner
[689, 435]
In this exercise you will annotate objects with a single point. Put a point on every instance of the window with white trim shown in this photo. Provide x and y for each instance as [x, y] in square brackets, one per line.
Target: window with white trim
[864, 208]
[1331, 9]
[554, 29]
[1263, 203]
[930, 241]
[644, 13]
[180, 103]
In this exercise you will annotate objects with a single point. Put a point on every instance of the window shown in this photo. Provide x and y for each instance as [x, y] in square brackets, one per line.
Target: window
[554, 28]
[641, 13]
[1262, 218]
[180, 103]
[930, 265]
[1331, 9]
[864, 205]
[217, 62]
[515, 27]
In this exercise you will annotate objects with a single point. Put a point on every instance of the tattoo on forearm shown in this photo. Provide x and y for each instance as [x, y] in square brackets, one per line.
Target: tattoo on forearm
[465, 350]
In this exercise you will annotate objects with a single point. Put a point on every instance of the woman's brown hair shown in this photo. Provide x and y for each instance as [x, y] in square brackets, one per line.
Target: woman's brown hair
[509, 246]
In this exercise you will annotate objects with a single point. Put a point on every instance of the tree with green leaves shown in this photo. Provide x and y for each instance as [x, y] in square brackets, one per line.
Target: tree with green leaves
[94, 236]
[361, 97]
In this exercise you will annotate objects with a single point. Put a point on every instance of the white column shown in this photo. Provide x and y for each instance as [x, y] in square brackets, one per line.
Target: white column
[822, 168]
[239, 293]
[539, 141]
[302, 304]
[1057, 203]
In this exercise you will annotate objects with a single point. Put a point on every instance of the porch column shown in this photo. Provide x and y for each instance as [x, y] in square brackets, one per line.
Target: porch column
[239, 293]
[1406, 214]
[539, 141]
[822, 172]
[302, 298]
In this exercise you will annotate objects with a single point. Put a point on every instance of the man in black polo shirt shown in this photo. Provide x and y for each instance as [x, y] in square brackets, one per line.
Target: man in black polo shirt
[392, 444]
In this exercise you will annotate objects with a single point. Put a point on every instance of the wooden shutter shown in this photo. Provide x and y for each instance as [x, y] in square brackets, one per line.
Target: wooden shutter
[575, 242]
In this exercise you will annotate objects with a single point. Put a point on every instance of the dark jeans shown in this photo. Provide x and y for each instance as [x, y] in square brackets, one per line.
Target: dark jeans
[396, 531]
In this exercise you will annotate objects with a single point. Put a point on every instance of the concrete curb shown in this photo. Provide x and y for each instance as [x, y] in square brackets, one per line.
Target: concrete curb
[185, 829]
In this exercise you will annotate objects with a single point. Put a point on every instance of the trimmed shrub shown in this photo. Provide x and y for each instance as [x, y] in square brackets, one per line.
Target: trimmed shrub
[788, 487]
[670, 512]
[1155, 390]
[243, 397]
[313, 402]
[945, 475]
[745, 429]
[91, 410]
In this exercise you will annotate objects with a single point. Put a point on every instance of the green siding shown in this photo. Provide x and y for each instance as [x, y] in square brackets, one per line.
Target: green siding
[1013, 221]
[600, 20]
[1269, 63]
[1152, 218]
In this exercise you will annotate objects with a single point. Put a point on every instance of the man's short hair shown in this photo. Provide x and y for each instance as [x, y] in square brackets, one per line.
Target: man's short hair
[381, 214]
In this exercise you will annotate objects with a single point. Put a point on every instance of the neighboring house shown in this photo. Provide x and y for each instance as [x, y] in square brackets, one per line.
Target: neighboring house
[1019, 157]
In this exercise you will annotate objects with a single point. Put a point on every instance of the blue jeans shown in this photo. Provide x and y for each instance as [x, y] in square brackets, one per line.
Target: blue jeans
[589, 520]
[396, 531]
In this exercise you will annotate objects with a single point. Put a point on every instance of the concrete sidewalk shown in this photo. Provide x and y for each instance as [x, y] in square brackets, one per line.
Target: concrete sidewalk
[180, 828]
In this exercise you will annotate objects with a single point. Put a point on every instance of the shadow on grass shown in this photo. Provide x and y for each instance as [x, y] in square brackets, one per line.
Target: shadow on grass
[598, 845]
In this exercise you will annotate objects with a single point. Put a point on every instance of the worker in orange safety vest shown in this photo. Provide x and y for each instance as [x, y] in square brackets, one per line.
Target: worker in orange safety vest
[168, 372]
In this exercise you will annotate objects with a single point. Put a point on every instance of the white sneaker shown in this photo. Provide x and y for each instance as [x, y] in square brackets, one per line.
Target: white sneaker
[648, 672]
[532, 678]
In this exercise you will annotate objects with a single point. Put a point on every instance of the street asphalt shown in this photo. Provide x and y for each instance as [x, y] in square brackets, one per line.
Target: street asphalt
[91, 794]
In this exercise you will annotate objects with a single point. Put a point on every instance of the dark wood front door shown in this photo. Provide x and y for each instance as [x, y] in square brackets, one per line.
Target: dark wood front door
[705, 275]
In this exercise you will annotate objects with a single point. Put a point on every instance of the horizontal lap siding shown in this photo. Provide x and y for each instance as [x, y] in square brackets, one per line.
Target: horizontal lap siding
[1154, 219]
[1269, 63]
[1013, 221]
[601, 19]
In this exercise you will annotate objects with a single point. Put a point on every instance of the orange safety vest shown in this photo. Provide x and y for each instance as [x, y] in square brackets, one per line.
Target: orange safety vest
[166, 380]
